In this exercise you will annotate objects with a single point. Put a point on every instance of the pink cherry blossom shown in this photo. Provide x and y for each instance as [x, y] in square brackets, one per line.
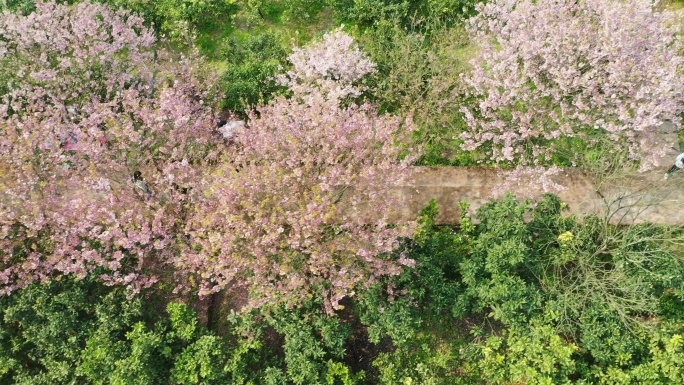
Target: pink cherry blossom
[550, 70]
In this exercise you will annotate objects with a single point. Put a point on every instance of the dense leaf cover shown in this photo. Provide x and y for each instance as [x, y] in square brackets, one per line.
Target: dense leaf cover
[80, 331]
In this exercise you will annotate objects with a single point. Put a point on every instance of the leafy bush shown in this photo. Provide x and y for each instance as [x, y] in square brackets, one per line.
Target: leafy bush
[663, 365]
[570, 265]
[416, 309]
[79, 331]
[497, 272]
[23, 7]
[418, 76]
[542, 298]
[177, 18]
[302, 10]
[427, 293]
[291, 13]
[248, 80]
[671, 306]
[303, 345]
[371, 13]
[588, 283]
[532, 355]
[538, 355]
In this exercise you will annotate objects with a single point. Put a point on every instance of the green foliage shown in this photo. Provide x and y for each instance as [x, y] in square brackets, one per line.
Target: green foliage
[202, 361]
[570, 265]
[253, 63]
[370, 13]
[300, 12]
[418, 76]
[426, 360]
[300, 346]
[178, 17]
[606, 337]
[424, 294]
[452, 9]
[23, 7]
[586, 282]
[624, 269]
[537, 354]
[203, 356]
[79, 331]
[671, 306]
[304, 350]
[497, 273]
[531, 355]
[664, 365]
[549, 299]
[46, 327]
[416, 309]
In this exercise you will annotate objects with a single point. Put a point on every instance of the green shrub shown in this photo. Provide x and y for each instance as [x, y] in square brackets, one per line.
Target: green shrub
[251, 67]
[302, 10]
[23, 7]
[537, 354]
[534, 354]
[606, 338]
[46, 327]
[79, 331]
[565, 266]
[300, 346]
[370, 13]
[664, 363]
[497, 273]
[416, 310]
[671, 306]
[418, 75]
[430, 291]
[178, 17]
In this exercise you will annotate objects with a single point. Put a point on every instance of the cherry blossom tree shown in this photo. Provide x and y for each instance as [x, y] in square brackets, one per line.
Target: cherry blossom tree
[86, 103]
[331, 68]
[551, 72]
[298, 208]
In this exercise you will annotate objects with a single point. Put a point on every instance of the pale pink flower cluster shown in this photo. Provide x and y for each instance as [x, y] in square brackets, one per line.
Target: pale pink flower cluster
[530, 181]
[332, 66]
[548, 70]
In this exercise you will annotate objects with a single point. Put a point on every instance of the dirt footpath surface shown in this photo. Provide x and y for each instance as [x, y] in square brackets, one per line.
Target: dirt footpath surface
[630, 198]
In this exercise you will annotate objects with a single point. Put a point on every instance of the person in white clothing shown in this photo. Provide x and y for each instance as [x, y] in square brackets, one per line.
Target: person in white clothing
[678, 165]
